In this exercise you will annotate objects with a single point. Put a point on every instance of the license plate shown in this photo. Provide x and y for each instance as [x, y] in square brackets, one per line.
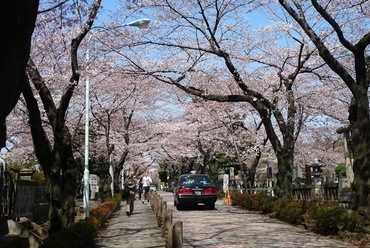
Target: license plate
[198, 192]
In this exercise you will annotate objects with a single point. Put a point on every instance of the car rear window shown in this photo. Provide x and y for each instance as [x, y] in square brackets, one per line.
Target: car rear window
[195, 180]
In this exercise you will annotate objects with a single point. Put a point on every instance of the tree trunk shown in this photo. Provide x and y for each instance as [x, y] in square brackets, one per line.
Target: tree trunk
[253, 168]
[59, 167]
[360, 145]
[284, 176]
[17, 23]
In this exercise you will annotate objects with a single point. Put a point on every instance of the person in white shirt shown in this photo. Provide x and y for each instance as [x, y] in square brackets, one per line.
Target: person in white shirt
[146, 185]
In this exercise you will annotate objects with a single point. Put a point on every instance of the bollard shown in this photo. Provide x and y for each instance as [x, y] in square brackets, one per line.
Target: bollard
[159, 212]
[162, 219]
[155, 206]
[168, 228]
[151, 196]
[155, 202]
[177, 235]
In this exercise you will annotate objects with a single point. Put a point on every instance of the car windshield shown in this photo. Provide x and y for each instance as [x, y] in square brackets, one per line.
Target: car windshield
[195, 180]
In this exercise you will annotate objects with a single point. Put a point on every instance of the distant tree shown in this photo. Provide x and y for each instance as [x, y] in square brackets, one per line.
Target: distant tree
[207, 49]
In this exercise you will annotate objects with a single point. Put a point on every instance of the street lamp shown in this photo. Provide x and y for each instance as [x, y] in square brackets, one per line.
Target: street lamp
[140, 23]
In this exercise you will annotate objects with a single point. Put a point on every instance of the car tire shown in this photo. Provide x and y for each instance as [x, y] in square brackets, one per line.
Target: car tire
[211, 206]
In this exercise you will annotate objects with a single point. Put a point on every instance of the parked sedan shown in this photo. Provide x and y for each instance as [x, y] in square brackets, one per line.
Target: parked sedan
[193, 189]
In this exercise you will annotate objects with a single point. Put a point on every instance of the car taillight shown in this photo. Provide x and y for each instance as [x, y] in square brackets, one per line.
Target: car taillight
[184, 191]
[209, 191]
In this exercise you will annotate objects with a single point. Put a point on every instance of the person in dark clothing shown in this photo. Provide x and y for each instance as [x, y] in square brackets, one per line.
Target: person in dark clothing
[140, 191]
[130, 188]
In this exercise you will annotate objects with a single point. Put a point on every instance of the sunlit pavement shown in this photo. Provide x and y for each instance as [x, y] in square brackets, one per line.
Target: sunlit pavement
[226, 226]
[139, 230]
[229, 226]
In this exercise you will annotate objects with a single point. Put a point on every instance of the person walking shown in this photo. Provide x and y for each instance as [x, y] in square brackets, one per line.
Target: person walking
[146, 185]
[130, 188]
[173, 186]
[140, 191]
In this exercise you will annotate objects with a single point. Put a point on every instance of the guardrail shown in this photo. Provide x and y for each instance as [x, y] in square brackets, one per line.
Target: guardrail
[171, 232]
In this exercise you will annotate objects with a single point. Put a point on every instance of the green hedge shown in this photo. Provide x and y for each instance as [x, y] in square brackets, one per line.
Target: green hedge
[83, 233]
[289, 211]
[323, 219]
[328, 220]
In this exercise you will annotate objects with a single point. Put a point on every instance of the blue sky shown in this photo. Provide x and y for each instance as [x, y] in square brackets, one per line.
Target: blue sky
[256, 17]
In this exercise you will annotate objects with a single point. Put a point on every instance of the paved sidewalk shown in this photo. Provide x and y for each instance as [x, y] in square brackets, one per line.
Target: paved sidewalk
[226, 226]
[139, 230]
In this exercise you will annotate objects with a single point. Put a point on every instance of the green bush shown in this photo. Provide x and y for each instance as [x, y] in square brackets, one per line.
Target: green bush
[323, 219]
[329, 220]
[326, 218]
[354, 222]
[236, 198]
[289, 211]
[267, 203]
[254, 202]
[83, 233]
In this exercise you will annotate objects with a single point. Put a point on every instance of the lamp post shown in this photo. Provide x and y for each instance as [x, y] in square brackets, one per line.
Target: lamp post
[140, 23]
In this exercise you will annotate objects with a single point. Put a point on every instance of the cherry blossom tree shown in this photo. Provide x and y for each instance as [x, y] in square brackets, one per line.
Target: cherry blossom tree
[120, 118]
[224, 139]
[337, 30]
[211, 50]
[47, 71]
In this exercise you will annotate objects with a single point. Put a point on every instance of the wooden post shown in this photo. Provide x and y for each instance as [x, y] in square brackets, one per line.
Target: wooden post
[177, 235]
[168, 228]
[161, 217]
[158, 211]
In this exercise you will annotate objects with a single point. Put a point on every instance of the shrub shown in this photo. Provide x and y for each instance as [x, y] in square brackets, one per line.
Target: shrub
[266, 204]
[82, 233]
[246, 201]
[256, 199]
[289, 211]
[252, 202]
[103, 211]
[329, 220]
[354, 222]
[236, 198]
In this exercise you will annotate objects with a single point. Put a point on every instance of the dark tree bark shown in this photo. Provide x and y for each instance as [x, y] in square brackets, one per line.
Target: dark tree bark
[359, 109]
[251, 171]
[56, 159]
[127, 119]
[282, 124]
[289, 124]
[17, 20]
